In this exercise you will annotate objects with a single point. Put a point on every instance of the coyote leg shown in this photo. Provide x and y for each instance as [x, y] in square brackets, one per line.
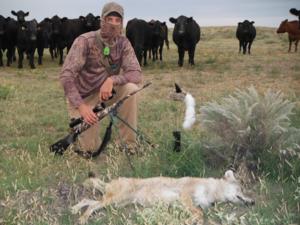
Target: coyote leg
[84, 202]
[108, 199]
[197, 212]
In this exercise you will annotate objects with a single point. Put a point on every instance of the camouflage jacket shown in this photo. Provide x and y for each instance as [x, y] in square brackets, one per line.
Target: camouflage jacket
[83, 73]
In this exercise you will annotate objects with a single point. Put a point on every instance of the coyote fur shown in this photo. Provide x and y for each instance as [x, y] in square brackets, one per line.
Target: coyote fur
[194, 193]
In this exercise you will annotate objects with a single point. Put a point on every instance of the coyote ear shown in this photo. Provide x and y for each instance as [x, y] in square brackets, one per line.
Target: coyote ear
[229, 175]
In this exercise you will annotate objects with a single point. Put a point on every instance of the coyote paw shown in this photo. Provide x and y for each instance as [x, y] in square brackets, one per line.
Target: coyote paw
[83, 220]
[75, 209]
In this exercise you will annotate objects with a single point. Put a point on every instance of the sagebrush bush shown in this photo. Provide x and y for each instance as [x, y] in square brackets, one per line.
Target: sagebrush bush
[253, 124]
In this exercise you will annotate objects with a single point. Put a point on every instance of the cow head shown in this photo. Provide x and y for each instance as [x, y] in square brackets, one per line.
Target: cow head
[91, 22]
[156, 28]
[20, 15]
[282, 27]
[246, 26]
[181, 24]
[28, 30]
[45, 30]
[57, 24]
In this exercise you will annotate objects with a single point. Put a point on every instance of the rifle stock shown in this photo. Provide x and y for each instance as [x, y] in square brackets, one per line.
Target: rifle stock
[61, 146]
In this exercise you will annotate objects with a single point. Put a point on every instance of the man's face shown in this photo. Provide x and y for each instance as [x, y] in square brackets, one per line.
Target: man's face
[114, 20]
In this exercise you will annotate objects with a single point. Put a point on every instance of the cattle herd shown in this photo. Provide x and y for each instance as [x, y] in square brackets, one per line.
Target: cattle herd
[58, 33]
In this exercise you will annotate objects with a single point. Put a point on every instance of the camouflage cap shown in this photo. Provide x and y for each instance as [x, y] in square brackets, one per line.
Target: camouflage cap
[112, 7]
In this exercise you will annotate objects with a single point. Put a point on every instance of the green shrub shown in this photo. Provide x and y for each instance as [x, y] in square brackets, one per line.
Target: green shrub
[255, 125]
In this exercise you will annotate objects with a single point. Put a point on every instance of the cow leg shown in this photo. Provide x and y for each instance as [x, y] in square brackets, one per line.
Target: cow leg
[290, 44]
[21, 55]
[167, 43]
[8, 57]
[13, 57]
[140, 58]
[51, 53]
[160, 51]
[244, 47]
[153, 54]
[40, 55]
[296, 45]
[31, 59]
[181, 56]
[61, 53]
[191, 55]
[249, 47]
[145, 56]
[240, 46]
[1, 60]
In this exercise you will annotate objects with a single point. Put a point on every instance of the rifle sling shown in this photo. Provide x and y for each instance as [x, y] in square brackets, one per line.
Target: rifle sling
[106, 139]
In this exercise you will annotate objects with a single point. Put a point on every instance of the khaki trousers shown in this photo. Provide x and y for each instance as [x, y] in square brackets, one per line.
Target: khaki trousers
[90, 139]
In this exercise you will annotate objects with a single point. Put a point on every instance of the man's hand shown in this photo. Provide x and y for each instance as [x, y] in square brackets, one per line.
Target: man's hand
[87, 113]
[106, 89]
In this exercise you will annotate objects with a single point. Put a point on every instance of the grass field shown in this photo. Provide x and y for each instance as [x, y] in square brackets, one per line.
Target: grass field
[38, 188]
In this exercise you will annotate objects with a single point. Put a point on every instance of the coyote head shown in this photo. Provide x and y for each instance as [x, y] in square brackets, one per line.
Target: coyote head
[233, 191]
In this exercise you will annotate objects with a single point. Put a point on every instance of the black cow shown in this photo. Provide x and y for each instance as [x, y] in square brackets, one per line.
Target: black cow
[140, 36]
[296, 13]
[44, 34]
[20, 15]
[186, 35]
[156, 38]
[91, 22]
[56, 41]
[165, 35]
[246, 33]
[26, 41]
[159, 36]
[10, 37]
[21, 19]
[2, 37]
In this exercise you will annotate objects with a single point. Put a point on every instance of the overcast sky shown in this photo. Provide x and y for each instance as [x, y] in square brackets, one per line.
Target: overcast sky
[207, 13]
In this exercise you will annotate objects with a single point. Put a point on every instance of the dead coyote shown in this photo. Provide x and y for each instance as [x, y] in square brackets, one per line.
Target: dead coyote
[192, 192]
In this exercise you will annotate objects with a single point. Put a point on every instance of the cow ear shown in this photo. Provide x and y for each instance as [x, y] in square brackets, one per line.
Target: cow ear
[252, 22]
[26, 14]
[151, 22]
[97, 18]
[64, 19]
[13, 12]
[163, 23]
[82, 18]
[229, 175]
[240, 23]
[47, 20]
[190, 19]
[172, 20]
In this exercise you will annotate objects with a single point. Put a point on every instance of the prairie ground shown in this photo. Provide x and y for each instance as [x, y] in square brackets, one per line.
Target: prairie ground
[37, 187]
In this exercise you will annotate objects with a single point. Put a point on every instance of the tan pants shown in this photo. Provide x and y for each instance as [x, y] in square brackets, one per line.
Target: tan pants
[90, 139]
